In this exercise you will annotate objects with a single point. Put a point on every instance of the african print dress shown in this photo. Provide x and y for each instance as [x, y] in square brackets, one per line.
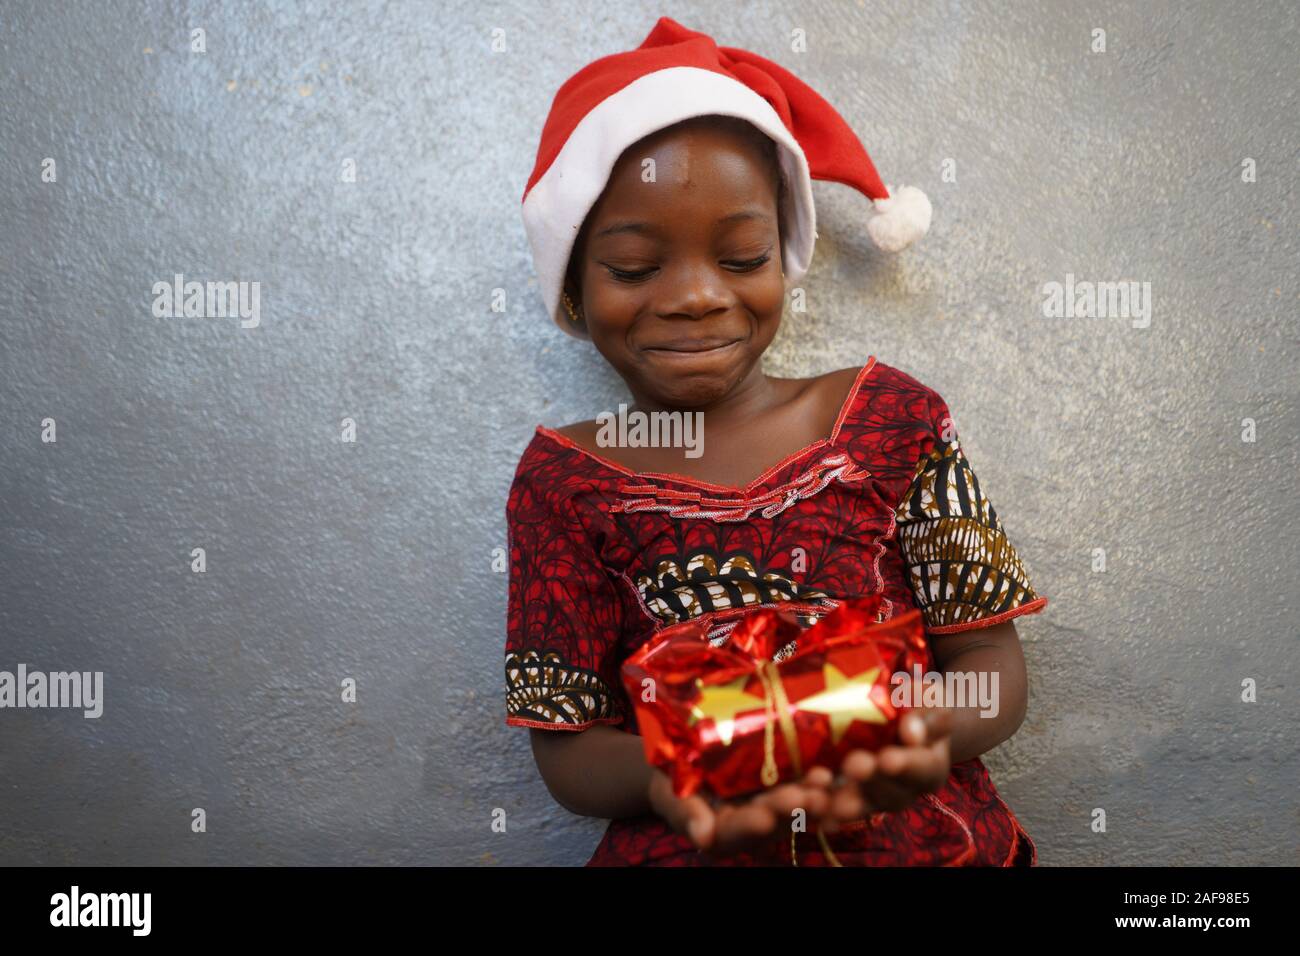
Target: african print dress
[601, 558]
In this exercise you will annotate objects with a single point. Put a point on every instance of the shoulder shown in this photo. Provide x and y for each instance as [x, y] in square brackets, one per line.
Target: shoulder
[828, 392]
[893, 422]
[583, 433]
[891, 376]
[877, 396]
[548, 475]
[888, 393]
[874, 375]
[832, 387]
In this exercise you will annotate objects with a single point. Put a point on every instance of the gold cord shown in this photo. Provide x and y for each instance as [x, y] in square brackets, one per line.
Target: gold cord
[777, 709]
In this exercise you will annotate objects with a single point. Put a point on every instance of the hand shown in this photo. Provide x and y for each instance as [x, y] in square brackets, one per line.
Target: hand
[725, 826]
[896, 776]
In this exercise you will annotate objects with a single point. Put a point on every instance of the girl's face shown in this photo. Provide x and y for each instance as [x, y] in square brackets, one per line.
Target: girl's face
[681, 280]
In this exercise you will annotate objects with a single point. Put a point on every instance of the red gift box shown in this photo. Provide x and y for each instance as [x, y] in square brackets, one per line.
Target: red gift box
[732, 720]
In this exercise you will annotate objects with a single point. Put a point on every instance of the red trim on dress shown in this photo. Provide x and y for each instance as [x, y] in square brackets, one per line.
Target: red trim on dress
[691, 504]
[548, 725]
[1032, 607]
[568, 442]
[852, 399]
[969, 853]
[1022, 836]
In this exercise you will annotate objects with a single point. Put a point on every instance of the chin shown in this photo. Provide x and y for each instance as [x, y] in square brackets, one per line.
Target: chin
[693, 394]
[690, 383]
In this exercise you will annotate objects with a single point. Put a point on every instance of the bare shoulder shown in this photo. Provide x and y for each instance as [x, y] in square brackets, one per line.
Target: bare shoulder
[841, 380]
[584, 433]
[830, 389]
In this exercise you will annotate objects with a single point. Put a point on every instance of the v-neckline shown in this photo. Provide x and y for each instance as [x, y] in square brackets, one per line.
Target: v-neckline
[849, 401]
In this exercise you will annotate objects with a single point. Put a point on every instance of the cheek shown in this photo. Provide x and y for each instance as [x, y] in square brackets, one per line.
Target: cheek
[775, 295]
[609, 311]
[766, 300]
[614, 304]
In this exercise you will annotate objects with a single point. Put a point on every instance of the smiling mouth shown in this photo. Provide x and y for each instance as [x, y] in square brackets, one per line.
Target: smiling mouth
[691, 349]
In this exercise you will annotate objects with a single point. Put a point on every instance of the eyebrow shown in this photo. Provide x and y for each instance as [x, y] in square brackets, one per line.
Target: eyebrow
[646, 229]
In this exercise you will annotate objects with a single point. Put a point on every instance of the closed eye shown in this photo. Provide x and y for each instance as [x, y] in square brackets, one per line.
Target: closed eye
[749, 265]
[624, 276]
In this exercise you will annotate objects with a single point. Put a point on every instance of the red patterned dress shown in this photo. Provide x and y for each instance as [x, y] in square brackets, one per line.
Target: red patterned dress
[601, 558]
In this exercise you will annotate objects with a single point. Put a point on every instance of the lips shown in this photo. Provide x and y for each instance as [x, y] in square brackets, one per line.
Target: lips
[692, 346]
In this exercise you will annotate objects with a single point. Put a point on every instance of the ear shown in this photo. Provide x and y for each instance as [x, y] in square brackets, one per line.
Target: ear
[578, 328]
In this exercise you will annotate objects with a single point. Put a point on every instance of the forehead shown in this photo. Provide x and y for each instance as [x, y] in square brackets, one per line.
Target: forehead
[706, 164]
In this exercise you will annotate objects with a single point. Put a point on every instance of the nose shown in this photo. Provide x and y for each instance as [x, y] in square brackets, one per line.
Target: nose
[694, 290]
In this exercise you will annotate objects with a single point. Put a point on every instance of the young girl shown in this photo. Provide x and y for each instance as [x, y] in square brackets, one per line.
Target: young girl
[669, 213]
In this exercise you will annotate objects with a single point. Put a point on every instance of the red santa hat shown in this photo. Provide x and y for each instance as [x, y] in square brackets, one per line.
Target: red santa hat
[673, 75]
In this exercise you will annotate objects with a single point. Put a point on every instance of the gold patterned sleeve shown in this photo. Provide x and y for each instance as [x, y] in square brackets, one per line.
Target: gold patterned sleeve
[964, 572]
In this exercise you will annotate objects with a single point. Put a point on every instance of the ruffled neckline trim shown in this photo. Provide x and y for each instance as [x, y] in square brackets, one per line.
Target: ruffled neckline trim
[653, 476]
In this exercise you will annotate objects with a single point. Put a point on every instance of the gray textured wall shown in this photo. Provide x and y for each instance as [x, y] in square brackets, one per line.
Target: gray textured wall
[372, 560]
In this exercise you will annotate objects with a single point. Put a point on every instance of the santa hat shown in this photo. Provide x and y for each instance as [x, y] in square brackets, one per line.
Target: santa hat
[673, 75]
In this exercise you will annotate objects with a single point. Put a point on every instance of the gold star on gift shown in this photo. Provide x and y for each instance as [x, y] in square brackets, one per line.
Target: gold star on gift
[844, 700]
[723, 702]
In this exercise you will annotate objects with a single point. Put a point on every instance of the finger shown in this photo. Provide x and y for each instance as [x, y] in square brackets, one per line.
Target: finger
[770, 810]
[858, 765]
[913, 763]
[938, 723]
[691, 816]
[787, 798]
[848, 802]
[925, 769]
[819, 777]
[912, 729]
[775, 799]
[814, 800]
[697, 821]
[812, 809]
[892, 761]
[741, 824]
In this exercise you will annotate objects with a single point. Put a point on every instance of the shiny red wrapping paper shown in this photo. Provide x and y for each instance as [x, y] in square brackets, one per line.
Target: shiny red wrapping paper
[732, 721]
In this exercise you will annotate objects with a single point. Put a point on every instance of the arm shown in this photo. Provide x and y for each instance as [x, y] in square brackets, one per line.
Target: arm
[933, 739]
[597, 772]
[602, 772]
[991, 650]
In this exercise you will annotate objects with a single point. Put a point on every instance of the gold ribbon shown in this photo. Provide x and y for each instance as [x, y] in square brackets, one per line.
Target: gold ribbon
[778, 710]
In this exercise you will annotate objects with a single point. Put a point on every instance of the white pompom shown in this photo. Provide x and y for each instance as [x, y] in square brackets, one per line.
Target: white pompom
[900, 220]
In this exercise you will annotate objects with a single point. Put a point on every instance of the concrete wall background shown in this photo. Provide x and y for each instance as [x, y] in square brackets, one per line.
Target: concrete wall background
[373, 560]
